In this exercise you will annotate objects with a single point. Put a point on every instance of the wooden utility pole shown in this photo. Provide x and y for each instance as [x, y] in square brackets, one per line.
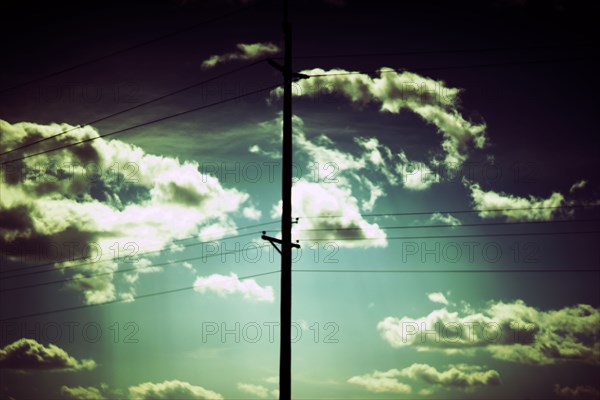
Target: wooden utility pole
[285, 319]
[285, 352]
[285, 355]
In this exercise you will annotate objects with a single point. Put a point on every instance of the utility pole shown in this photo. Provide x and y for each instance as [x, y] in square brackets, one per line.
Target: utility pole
[285, 319]
[285, 354]
[285, 351]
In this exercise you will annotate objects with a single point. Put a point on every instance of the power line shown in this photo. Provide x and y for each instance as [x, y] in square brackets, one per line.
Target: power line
[274, 222]
[454, 236]
[114, 53]
[444, 271]
[395, 214]
[145, 123]
[187, 245]
[120, 271]
[162, 97]
[455, 226]
[121, 301]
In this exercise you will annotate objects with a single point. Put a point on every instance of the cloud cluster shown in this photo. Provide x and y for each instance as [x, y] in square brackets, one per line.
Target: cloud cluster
[228, 285]
[447, 219]
[27, 355]
[245, 51]
[394, 91]
[492, 204]
[327, 193]
[508, 331]
[82, 393]
[438, 298]
[461, 376]
[577, 393]
[259, 391]
[174, 389]
[101, 193]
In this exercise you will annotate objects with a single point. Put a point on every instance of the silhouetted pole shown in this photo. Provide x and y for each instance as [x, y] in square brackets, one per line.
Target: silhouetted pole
[285, 354]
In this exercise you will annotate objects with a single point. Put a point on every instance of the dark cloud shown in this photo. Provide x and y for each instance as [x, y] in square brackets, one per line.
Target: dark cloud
[28, 354]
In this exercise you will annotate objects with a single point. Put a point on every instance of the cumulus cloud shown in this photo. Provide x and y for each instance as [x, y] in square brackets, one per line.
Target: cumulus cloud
[492, 204]
[259, 391]
[174, 389]
[228, 285]
[82, 393]
[458, 376]
[461, 376]
[394, 91]
[508, 331]
[347, 228]
[328, 191]
[381, 382]
[252, 213]
[437, 298]
[99, 195]
[27, 355]
[245, 51]
[445, 219]
[577, 393]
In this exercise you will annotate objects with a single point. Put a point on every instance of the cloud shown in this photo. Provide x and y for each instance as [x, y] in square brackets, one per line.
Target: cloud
[255, 390]
[578, 185]
[492, 204]
[27, 355]
[395, 91]
[171, 390]
[437, 298]
[577, 393]
[326, 194]
[381, 382]
[227, 285]
[82, 393]
[458, 376]
[347, 228]
[445, 219]
[252, 213]
[99, 195]
[464, 377]
[246, 51]
[508, 331]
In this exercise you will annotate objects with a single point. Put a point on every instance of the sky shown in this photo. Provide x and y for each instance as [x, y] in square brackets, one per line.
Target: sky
[445, 189]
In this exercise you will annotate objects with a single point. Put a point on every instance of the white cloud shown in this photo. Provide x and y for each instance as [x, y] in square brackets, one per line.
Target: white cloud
[445, 219]
[437, 298]
[381, 382]
[415, 175]
[246, 51]
[492, 204]
[82, 393]
[508, 331]
[255, 390]
[160, 199]
[328, 189]
[394, 91]
[27, 355]
[461, 376]
[227, 285]
[457, 376]
[252, 213]
[320, 202]
[174, 389]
